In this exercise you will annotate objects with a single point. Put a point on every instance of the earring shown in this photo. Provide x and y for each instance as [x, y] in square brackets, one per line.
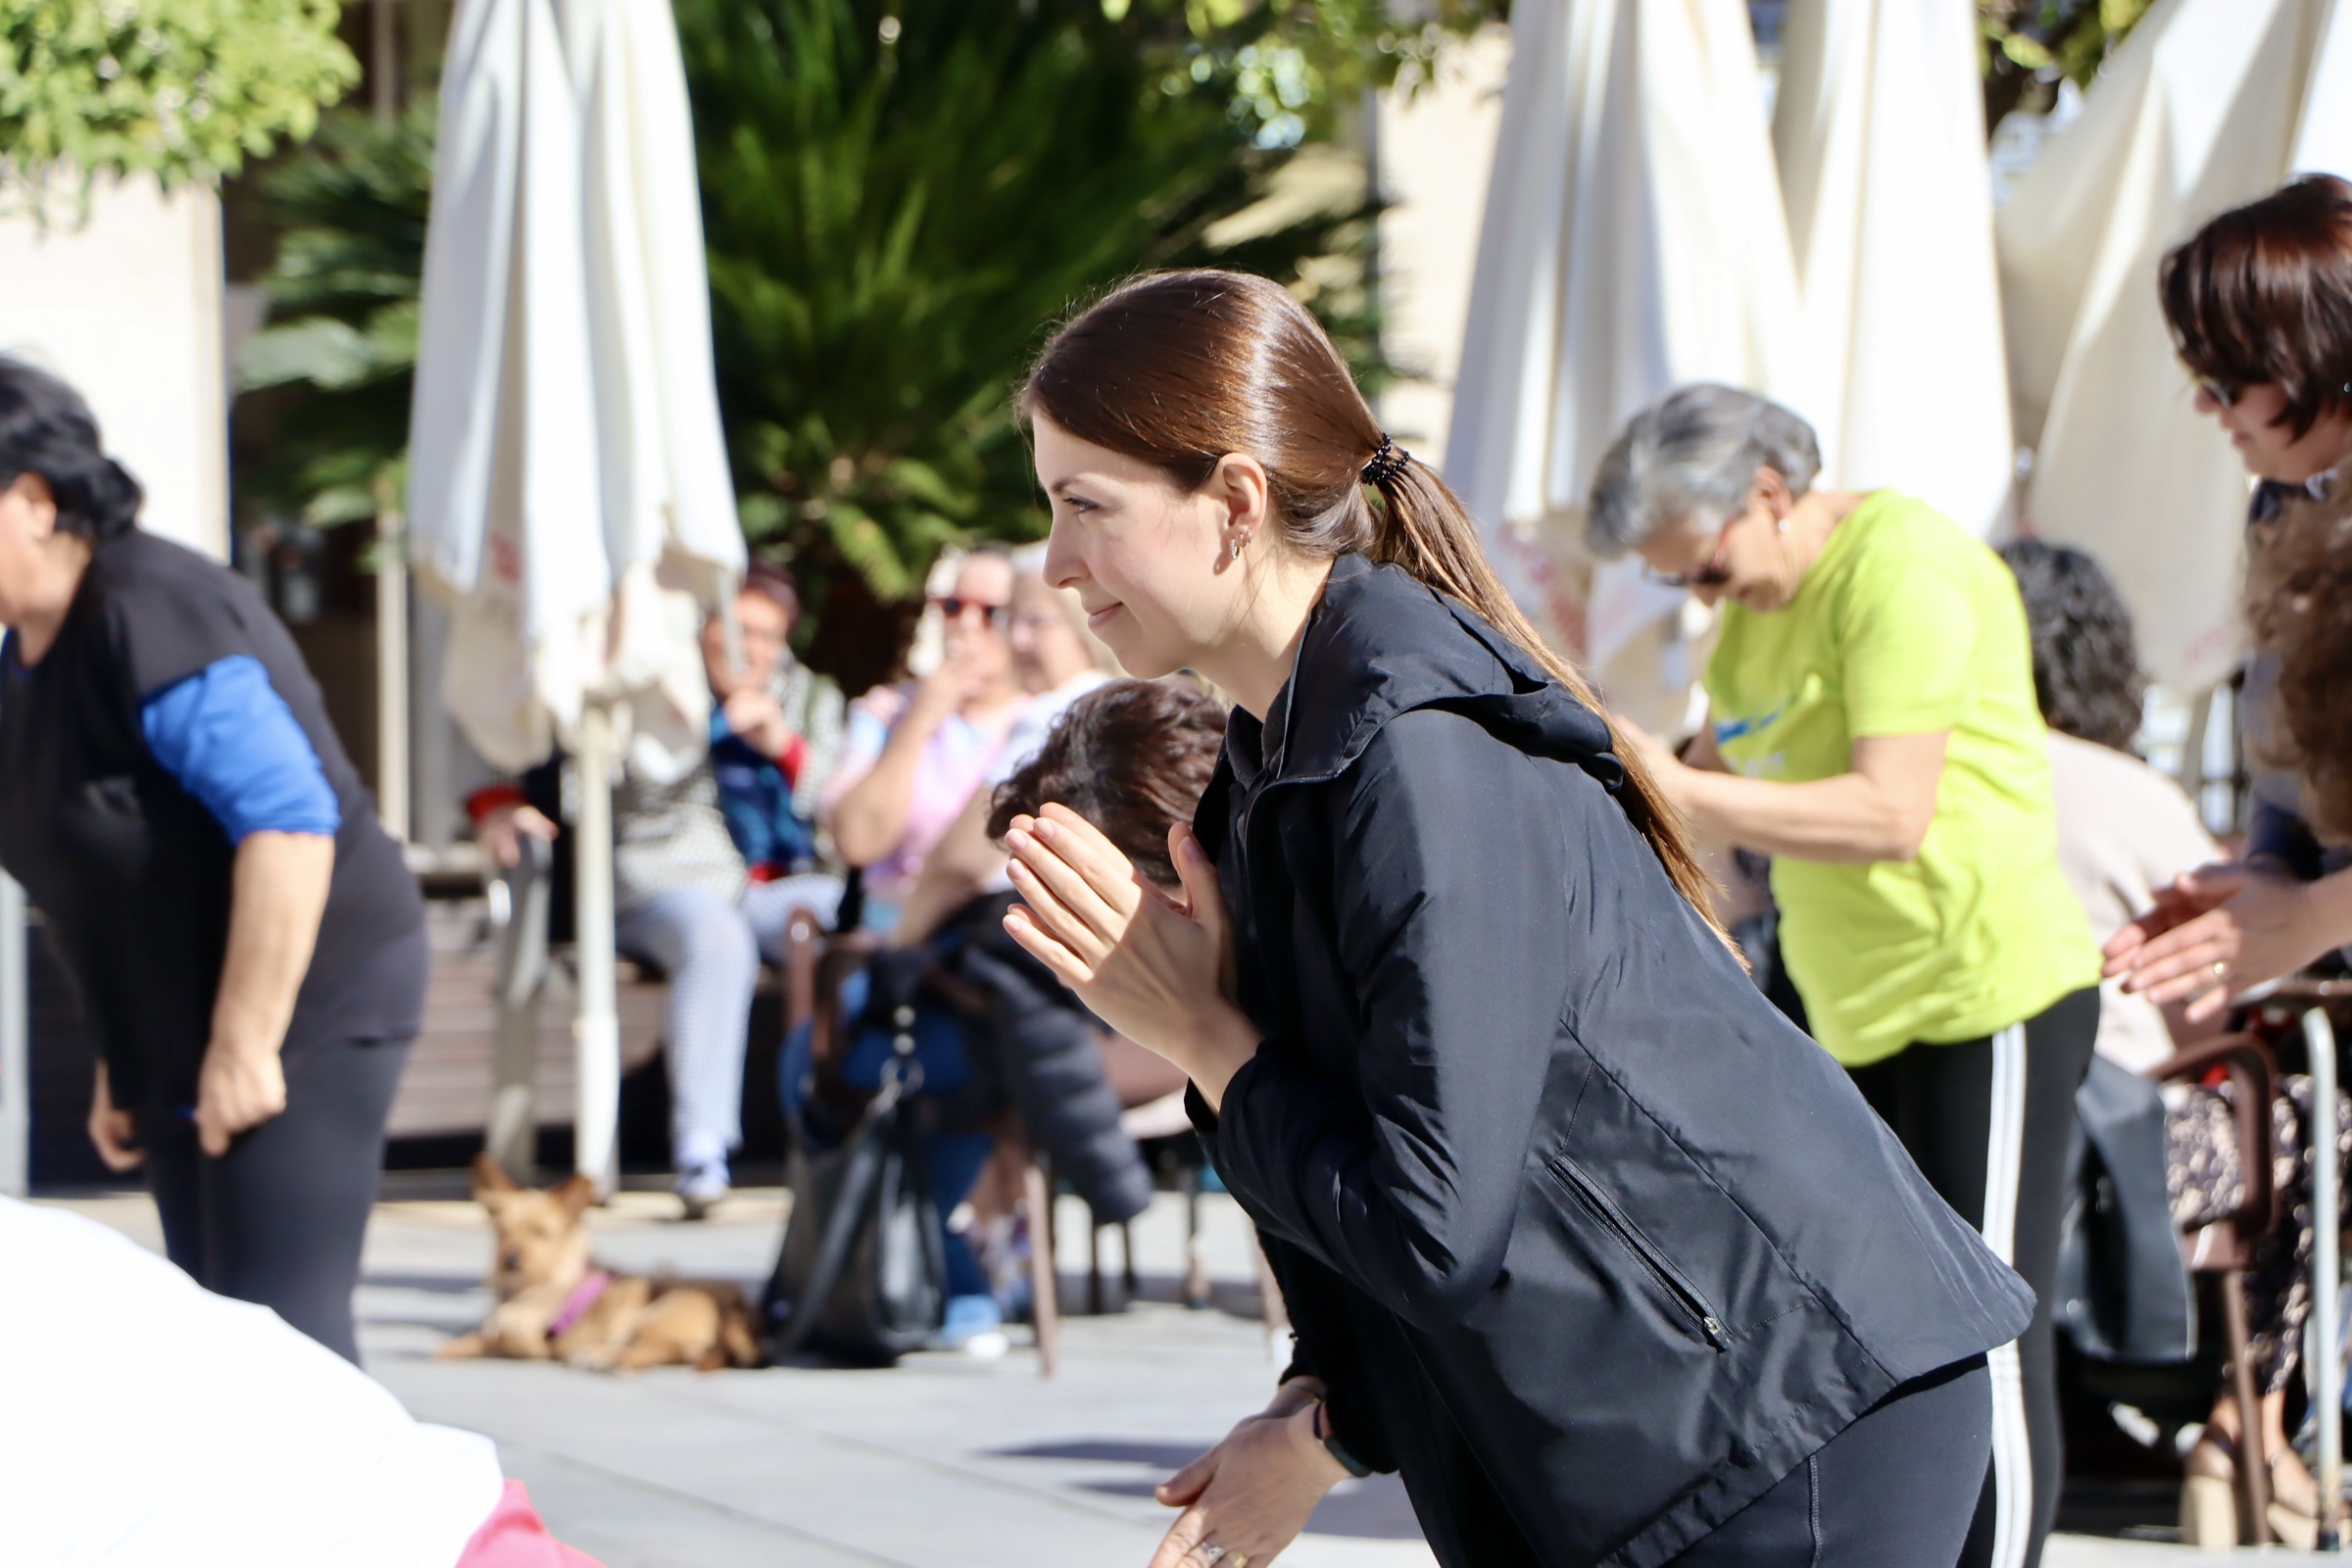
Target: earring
[1781, 525]
[1241, 542]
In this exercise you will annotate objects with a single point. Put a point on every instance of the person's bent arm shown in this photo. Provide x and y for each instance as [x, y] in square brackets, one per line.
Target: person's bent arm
[2222, 930]
[869, 819]
[230, 739]
[1878, 811]
[953, 874]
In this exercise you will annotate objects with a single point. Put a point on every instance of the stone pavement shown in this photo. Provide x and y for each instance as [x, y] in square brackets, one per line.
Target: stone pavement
[944, 1462]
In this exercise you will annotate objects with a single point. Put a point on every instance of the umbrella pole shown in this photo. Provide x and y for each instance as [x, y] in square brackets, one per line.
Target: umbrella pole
[594, 1125]
[2327, 1278]
[16, 1045]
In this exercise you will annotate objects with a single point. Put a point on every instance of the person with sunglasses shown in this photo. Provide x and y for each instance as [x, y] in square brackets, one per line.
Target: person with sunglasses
[915, 753]
[1873, 726]
[2258, 303]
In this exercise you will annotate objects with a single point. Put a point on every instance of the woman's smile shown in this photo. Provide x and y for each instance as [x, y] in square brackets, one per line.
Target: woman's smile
[1095, 619]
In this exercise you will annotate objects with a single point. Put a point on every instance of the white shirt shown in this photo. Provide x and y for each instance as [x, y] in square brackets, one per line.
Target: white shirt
[146, 1422]
[2124, 831]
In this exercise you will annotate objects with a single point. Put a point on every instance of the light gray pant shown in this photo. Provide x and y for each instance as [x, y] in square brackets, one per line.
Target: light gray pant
[710, 949]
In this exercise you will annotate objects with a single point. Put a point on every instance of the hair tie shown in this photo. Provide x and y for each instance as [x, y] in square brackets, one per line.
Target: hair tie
[1387, 463]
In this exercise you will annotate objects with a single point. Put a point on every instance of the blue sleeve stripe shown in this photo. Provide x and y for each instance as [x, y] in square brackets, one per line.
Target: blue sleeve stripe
[233, 742]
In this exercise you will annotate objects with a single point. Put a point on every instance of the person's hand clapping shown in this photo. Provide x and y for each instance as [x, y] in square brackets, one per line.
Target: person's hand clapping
[2213, 933]
[758, 719]
[1151, 968]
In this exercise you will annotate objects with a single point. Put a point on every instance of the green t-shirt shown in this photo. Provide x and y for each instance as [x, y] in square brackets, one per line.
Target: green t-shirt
[1905, 625]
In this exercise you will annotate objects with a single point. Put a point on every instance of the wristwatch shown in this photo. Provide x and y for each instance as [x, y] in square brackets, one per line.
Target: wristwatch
[1337, 1449]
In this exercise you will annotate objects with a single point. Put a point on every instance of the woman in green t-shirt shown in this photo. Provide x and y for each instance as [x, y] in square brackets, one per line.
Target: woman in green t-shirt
[1873, 728]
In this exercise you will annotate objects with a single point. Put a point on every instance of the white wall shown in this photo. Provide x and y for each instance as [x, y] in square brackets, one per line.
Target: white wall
[128, 308]
[1433, 150]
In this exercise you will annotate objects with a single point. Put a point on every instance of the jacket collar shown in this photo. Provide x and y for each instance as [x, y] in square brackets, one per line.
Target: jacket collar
[1380, 644]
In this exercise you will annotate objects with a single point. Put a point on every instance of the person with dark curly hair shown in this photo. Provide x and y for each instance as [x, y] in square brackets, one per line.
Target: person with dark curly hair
[2123, 828]
[247, 944]
[2260, 306]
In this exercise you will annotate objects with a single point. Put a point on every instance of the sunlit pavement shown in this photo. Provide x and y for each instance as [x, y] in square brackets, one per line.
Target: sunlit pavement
[944, 1462]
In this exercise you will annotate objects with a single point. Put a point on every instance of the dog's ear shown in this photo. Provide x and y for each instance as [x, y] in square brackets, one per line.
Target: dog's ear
[490, 1177]
[576, 1192]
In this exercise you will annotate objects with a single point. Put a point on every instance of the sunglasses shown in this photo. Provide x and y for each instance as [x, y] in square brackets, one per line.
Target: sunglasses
[2225, 393]
[953, 607]
[1714, 574]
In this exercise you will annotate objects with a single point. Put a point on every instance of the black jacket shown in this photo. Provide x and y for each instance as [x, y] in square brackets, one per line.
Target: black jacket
[1535, 1162]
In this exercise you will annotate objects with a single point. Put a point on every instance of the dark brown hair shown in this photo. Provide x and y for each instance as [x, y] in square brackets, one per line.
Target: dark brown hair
[1131, 756]
[1178, 370]
[2264, 293]
[2299, 601]
[2086, 672]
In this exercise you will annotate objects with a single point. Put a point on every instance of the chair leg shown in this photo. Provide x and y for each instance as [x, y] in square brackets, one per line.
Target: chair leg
[1094, 1267]
[1196, 1292]
[1129, 1281]
[2253, 1459]
[1269, 1295]
[1045, 1280]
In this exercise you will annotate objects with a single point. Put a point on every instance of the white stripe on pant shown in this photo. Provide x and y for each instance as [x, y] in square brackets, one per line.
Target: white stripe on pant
[2011, 1455]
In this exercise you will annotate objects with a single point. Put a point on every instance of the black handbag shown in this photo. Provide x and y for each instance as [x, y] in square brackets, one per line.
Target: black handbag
[863, 1274]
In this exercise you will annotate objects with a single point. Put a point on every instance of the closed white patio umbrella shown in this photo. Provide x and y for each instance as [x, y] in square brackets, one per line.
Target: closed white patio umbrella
[1879, 128]
[1632, 241]
[569, 489]
[2208, 104]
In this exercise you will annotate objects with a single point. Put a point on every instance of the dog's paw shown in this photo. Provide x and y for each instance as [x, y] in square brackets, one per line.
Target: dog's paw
[464, 1348]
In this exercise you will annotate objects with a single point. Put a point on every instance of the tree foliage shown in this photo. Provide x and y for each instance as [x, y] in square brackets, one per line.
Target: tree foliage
[183, 90]
[343, 307]
[899, 195]
[2031, 45]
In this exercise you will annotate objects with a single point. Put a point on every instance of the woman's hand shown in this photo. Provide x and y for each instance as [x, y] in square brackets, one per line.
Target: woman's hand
[1246, 1499]
[759, 719]
[1153, 969]
[2214, 932]
[112, 1130]
[240, 1088]
[502, 828]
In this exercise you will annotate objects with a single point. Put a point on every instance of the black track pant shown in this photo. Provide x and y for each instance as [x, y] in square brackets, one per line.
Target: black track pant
[1988, 1120]
[280, 1217]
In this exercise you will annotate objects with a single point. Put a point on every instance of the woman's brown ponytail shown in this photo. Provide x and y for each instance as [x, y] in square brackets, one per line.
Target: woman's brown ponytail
[1179, 369]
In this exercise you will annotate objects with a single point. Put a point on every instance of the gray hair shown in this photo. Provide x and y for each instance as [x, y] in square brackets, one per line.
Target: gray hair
[1690, 463]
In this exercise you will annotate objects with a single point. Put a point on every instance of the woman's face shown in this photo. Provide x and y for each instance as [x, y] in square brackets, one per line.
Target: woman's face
[2269, 447]
[763, 626]
[1744, 559]
[1151, 563]
[31, 585]
[1046, 649]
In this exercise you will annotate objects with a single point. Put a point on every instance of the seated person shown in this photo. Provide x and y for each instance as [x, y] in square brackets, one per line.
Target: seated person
[226, 1436]
[915, 753]
[1057, 661]
[775, 735]
[686, 902]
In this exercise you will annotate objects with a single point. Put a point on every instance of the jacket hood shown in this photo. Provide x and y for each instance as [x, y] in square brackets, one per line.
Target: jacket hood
[1382, 643]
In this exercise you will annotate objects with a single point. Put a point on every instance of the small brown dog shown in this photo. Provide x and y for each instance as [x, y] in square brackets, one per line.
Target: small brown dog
[555, 1305]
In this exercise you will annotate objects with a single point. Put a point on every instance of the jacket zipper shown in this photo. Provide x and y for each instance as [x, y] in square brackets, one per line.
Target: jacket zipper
[1670, 1279]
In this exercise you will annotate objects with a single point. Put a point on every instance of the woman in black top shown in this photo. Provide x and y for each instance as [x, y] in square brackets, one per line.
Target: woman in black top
[1577, 1232]
[248, 947]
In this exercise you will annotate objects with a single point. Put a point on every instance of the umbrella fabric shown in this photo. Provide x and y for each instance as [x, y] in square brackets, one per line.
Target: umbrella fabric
[1879, 128]
[2208, 104]
[1632, 241]
[568, 488]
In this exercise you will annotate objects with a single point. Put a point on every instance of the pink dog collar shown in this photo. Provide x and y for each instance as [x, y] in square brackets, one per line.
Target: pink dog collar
[584, 1296]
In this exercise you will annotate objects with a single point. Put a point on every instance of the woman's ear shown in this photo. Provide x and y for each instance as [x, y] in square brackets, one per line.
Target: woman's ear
[31, 492]
[1771, 492]
[1243, 493]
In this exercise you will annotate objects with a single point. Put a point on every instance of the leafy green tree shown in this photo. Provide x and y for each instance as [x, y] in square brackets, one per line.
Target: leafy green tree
[899, 195]
[183, 90]
[343, 308]
[2031, 45]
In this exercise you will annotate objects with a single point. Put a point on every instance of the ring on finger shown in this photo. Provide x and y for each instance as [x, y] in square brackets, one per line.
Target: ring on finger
[2220, 968]
[1211, 1553]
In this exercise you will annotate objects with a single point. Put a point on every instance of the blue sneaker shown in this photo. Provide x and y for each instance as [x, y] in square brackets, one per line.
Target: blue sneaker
[975, 1325]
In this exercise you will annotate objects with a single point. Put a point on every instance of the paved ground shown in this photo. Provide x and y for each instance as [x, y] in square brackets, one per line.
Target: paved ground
[944, 1462]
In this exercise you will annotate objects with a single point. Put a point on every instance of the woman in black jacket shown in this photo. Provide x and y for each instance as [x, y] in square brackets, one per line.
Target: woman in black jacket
[1578, 1234]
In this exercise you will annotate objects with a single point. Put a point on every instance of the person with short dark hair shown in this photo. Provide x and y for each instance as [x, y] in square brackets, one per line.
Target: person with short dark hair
[775, 729]
[247, 944]
[2259, 301]
[1133, 758]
